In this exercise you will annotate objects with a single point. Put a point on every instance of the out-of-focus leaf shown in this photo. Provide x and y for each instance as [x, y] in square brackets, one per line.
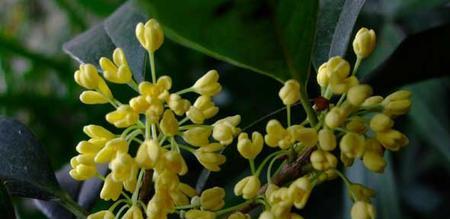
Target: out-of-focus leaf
[272, 39]
[386, 200]
[52, 209]
[335, 26]
[90, 189]
[430, 114]
[400, 8]
[419, 57]
[120, 27]
[25, 167]
[85, 192]
[90, 46]
[6, 207]
[100, 7]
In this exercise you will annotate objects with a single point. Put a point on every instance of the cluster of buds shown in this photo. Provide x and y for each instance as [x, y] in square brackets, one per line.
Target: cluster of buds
[157, 125]
[353, 124]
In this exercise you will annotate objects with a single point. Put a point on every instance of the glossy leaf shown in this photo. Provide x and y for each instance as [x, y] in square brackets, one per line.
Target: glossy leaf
[25, 167]
[420, 56]
[120, 27]
[272, 39]
[335, 26]
[89, 46]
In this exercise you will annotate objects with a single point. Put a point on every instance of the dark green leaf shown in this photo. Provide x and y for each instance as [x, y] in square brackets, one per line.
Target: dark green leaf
[6, 207]
[421, 56]
[24, 167]
[90, 46]
[429, 113]
[272, 39]
[120, 27]
[334, 28]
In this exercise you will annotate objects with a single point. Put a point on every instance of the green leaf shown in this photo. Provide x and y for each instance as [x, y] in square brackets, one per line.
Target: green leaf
[420, 56]
[120, 27]
[6, 207]
[24, 167]
[90, 46]
[429, 113]
[334, 28]
[273, 38]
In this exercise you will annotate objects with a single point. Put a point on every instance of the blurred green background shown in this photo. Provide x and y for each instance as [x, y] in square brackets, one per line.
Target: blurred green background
[37, 87]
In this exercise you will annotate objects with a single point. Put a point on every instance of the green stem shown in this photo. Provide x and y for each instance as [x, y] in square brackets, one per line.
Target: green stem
[68, 203]
[263, 163]
[234, 208]
[252, 166]
[312, 118]
[288, 112]
[134, 197]
[269, 168]
[357, 64]
[134, 85]
[186, 90]
[152, 66]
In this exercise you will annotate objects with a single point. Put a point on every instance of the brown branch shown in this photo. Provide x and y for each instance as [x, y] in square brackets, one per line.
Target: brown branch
[145, 192]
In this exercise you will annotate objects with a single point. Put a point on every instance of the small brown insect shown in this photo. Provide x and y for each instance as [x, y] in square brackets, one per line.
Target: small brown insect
[320, 103]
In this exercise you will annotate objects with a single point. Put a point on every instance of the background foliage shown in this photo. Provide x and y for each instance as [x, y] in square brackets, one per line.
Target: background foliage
[37, 88]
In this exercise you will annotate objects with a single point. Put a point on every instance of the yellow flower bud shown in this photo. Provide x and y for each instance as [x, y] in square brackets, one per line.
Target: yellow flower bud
[85, 147]
[155, 109]
[277, 135]
[357, 125]
[249, 149]
[175, 162]
[322, 75]
[337, 68]
[157, 91]
[225, 129]
[360, 192]
[123, 117]
[96, 131]
[392, 139]
[86, 159]
[239, 215]
[248, 187]
[150, 35]
[364, 42]
[372, 101]
[92, 97]
[121, 167]
[206, 106]
[159, 206]
[381, 122]
[83, 171]
[212, 199]
[153, 150]
[374, 161]
[266, 215]
[117, 72]
[111, 149]
[358, 94]
[290, 92]
[299, 192]
[322, 160]
[197, 136]
[352, 145]
[133, 213]
[130, 183]
[207, 85]
[199, 214]
[87, 76]
[362, 210]
[307, 136]
[195, 115]
[169, 124]
[335, 117]
[178, 105]
[340, 86]
[327, 140]
[187, 190]
[346, 160]
[139, 104]
[101, 215]
[209, 158]
[111, 189]
[397, 103]
[142, 158]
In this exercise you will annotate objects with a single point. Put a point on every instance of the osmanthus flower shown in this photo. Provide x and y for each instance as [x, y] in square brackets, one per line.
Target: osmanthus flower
[156, 125]
[353, 124]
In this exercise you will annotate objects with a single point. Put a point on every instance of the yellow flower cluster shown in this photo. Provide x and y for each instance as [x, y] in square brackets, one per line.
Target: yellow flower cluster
[155, 129]
[357, 126]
